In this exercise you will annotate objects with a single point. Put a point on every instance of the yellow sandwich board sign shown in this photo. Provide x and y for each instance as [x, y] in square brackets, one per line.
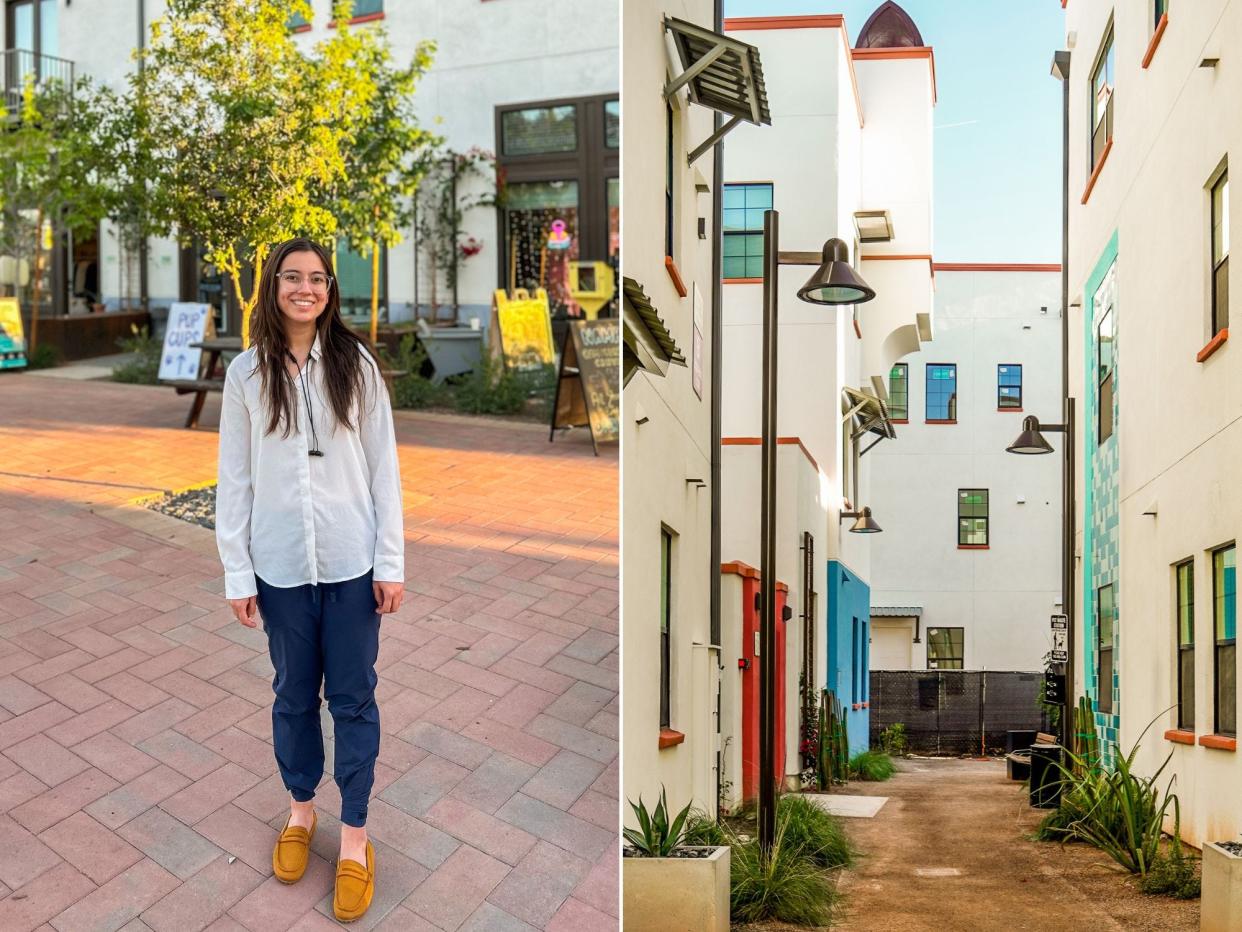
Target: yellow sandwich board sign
[525, 329]
[12, 337]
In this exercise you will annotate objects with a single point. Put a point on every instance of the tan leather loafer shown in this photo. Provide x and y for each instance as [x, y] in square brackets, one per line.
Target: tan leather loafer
[355, 885]
[292, 851]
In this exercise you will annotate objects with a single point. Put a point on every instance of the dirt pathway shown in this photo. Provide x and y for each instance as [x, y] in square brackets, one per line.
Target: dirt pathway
[950, 851]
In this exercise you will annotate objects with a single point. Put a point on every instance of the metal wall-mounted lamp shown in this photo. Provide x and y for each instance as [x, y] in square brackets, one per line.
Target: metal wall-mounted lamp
[864, 524]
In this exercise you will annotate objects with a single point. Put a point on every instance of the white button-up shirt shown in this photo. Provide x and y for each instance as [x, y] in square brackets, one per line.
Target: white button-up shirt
[293, 518]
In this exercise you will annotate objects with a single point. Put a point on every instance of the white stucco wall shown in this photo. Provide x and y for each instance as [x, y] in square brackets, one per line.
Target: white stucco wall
[1178, 431]
[1002, 596]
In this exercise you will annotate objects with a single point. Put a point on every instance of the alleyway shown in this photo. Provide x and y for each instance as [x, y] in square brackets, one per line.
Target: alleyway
[137, 784]
[949, 852]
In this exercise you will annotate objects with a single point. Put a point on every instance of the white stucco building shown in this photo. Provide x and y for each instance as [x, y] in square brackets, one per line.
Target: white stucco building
[969, 567]
[534, 82]
[1154, 125]
[848, 155]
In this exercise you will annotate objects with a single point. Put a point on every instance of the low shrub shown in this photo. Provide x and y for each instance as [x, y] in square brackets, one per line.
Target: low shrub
[412, 390]
[894, 741]
[45, 356]
[701, 829]
[787, 885]
[1172, 874]
[656, 836]
[144, 369]
[872, 765]
[817, 833]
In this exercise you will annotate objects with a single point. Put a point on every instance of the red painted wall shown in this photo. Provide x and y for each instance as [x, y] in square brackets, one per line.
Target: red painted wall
[750, 689]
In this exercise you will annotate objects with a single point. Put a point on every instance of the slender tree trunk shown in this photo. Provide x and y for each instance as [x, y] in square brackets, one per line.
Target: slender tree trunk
[375, 269]
[36, 294]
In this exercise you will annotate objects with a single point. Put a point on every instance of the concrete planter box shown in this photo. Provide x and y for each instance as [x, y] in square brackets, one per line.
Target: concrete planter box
[677, 894]
[1220, 906]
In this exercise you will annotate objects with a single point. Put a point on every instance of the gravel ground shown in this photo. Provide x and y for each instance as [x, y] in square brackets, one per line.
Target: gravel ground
[951, 851]
[197, 506]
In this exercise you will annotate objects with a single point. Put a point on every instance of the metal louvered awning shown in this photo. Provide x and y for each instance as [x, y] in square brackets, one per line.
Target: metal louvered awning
[648, 344]
[720, 73]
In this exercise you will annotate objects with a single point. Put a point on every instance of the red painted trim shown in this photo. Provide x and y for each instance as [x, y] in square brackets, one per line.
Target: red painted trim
[756, 441]
[931, 268]
[745, 570]
[1095, 172]
[825, 21]
[671, 267]
[1016, 410]
[1213, 345]
[857, 329]
[742, 281]
[668, 738]
[899, 420]
[997, 266]
[973, 547]
[1179, 736]
[1218, 742]
[355, 20]
[938, 421]
[1155, 39]
[904, 52]
[866, 705]
[1063, 2]
[857, 706]
[305, 27]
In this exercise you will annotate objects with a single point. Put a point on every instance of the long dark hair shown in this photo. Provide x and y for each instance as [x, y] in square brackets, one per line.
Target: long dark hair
[343, 375]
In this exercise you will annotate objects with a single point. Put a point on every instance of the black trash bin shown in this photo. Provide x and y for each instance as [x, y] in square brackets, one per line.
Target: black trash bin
[1045, 776]
[1019, 739]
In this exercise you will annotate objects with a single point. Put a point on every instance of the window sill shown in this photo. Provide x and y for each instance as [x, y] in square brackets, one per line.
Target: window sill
[741, 281]
[973, 546]
[366, 18]
[669, 738]
[1213, 345]
[935, 421]
[1219, 742]
[1180, 736]
[1010, 410]
[1155, 39]
[671, 267]
[305, 27]
[857, 706]
[1095, 172]
[899, 420]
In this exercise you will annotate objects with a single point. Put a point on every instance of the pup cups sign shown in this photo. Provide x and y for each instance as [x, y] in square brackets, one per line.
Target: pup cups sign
[187, 324]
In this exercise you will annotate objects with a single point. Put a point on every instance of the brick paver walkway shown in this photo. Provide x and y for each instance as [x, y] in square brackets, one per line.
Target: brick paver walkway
[137, 784]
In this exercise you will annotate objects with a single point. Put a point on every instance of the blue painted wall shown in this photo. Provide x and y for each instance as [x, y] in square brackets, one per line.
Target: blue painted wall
[849, 652]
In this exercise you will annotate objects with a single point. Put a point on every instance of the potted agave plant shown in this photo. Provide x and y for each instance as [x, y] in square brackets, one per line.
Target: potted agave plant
[1220, 908]
[671, 886]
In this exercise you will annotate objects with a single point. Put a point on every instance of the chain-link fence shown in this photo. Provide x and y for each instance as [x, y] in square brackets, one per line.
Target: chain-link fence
[955, 711]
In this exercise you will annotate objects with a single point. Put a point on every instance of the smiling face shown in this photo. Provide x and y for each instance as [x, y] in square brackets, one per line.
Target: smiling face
[303, 301]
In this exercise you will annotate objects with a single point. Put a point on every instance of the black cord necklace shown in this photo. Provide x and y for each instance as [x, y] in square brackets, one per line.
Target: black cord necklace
[310, 416]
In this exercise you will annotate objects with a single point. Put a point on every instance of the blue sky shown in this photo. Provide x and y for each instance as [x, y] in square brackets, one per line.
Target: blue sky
[998, 119]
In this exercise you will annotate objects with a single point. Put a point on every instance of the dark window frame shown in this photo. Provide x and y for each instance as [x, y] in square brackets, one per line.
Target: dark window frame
[670, 185]
[893, 406]
[986, 517]
[746, 231]
[951, 408]
[1001, 397]
[1224, 653]
[666, 627]
[1160, 8]
[1184, 641]
[1104, 671]
[959, 659]
[1097, 141]
[589, 167]
[1219, 311]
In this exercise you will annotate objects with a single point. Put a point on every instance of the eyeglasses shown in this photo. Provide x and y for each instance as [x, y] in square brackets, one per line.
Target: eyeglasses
[318, 281]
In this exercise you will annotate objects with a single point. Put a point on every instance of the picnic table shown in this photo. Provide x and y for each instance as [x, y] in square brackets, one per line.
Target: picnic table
[210, 381]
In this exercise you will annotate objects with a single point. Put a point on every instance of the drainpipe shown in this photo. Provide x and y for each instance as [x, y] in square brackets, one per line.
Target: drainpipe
[717, 357]
[144, 297]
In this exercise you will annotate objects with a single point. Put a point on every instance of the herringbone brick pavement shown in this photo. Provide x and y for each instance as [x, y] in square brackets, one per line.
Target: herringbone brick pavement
[137, 785]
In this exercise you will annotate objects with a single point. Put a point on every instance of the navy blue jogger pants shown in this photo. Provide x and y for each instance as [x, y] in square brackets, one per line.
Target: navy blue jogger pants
[326, 634]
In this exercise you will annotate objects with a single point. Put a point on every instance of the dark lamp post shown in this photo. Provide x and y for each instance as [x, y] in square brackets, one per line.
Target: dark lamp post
[834, 282]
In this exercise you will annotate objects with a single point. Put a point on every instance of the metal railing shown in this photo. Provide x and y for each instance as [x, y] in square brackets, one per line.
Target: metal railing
[21, 65]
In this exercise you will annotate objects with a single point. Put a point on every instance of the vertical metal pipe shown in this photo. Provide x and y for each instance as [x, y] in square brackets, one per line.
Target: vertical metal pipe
[1068, 573]
[767, 535]
[717, 361]
[144, 284]
[1067, 477]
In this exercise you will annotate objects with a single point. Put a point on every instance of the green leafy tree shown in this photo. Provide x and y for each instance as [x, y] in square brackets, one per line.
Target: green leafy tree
[241, 126]
[373, 199]
[54, 174]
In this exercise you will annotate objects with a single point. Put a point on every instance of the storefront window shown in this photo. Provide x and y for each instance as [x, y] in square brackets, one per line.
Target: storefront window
[614, 216]
[542, 227]
[612, 124]
[539, 130]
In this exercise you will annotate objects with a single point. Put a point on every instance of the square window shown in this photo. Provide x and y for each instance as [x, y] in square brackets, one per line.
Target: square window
[946, 648]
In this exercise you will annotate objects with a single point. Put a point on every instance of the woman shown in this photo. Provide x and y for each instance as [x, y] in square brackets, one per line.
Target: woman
[308, 524]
